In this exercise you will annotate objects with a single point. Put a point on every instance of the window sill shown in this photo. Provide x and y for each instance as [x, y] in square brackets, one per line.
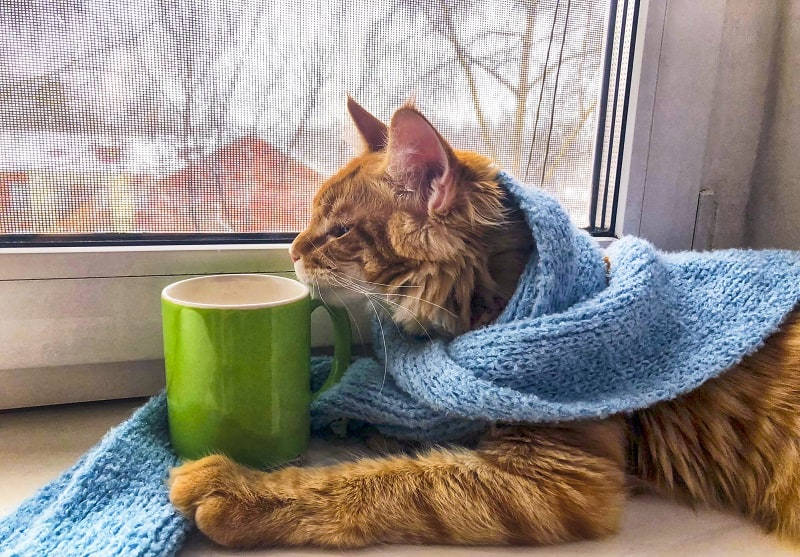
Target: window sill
[84, 323]
[138, 261]
[605, 241]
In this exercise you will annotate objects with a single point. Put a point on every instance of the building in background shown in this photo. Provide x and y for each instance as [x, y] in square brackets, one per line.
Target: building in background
[150, 185]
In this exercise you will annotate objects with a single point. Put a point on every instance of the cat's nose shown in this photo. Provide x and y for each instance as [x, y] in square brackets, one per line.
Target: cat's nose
[293, 254]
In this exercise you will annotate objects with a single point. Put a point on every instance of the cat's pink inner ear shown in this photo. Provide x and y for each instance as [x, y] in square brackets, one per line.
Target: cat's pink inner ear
[420, 159]
[373, 131]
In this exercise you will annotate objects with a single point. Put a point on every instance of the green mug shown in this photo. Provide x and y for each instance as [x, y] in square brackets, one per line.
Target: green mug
[238, 361]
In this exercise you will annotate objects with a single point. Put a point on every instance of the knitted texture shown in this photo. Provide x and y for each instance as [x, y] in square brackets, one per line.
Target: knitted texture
[572, 344]
[113, 501]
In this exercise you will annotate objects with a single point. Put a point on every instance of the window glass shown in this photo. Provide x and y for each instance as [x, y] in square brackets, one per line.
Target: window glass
[191, 116]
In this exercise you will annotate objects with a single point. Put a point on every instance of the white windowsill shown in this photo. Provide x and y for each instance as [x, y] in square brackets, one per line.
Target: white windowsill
[85, 323]
[138, 261]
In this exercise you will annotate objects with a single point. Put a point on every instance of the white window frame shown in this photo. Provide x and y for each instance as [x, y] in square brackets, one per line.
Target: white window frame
[83, 323]
[672, 96]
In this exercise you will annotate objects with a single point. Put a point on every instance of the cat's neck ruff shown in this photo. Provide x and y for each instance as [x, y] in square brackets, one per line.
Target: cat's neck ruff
[574, 342]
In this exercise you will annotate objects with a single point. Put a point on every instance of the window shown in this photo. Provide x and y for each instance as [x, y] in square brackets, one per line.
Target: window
[613, 115]
[186, 121]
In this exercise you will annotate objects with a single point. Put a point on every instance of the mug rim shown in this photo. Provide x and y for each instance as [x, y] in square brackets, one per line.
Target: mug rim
[168, 297]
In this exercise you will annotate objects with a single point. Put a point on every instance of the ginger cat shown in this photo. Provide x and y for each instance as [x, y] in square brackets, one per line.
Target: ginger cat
[410, 210]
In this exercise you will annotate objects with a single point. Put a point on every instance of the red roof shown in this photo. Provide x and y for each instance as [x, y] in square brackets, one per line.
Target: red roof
[247, 185]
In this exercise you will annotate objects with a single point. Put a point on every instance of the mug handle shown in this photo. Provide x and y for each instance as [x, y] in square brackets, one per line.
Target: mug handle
[342, 341]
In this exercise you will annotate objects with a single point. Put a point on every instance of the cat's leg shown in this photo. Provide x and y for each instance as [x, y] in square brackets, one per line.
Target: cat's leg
[522, 485]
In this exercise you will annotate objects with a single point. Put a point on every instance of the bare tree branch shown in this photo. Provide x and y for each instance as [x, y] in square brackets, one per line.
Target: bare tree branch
[78, 61]
[463, 61]
[522, 90]
[494, 33]
[317, 78]
[495, 74]
[568, 142]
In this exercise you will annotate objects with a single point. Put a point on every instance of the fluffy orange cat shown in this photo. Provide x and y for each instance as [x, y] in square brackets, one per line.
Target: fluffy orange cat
[435, 217]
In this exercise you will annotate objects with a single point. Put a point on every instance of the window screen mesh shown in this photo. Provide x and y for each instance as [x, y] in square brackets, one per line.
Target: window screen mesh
[224, 116]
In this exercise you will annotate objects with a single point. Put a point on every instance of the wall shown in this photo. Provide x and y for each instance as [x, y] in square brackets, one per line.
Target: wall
[772, 218]
[714, 153]
[745, 66]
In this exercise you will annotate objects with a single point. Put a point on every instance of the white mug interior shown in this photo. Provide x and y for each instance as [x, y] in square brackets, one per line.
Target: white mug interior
[242, 291]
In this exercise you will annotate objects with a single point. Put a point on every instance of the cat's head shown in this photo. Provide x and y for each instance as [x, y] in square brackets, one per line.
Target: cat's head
[406, 222]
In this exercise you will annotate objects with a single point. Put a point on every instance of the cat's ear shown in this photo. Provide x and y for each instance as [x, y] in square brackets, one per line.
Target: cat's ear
[372, 130]
[421, 160]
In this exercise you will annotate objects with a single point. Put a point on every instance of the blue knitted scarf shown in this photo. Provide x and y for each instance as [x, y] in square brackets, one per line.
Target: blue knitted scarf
[572, 343]
[113, 501]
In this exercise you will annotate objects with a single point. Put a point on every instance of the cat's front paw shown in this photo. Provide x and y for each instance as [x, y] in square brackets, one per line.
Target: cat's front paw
[194, 482]
[228, 502]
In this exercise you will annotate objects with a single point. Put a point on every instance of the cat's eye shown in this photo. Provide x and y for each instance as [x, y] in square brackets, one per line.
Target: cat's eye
[339, 230]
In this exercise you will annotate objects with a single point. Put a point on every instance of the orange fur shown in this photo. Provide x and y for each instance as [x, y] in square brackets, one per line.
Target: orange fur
[733, 443]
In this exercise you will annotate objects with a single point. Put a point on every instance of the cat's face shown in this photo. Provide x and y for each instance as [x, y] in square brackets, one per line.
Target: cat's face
[401, 224]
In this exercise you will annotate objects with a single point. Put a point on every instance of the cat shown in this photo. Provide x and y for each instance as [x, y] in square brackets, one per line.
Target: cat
[414, 218]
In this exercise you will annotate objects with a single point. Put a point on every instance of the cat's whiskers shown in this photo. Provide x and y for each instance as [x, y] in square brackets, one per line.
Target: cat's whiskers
[383, 336]
[418, 298]
[405, 309]
[319, 290]
[345, 275]
[422, 300]
[380, 325]
[382, 299]
[342, 281]
[379, 297]
[376, 297]
[385, 352]
[354, 321]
